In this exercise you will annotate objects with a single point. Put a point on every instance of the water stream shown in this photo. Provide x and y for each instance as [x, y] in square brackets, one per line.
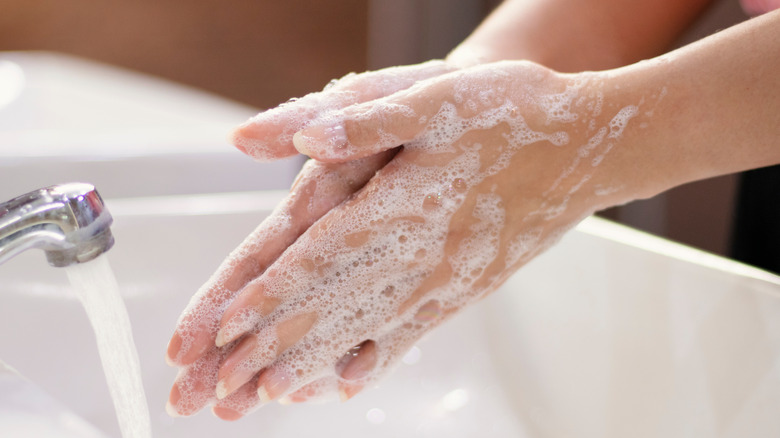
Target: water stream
[96, 287]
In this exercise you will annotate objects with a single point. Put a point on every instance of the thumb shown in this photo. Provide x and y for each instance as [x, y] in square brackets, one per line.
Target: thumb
[372, 127]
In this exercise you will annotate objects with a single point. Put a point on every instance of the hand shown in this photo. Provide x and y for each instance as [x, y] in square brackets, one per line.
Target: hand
[268, 136]
[498, 161]
[318, 188]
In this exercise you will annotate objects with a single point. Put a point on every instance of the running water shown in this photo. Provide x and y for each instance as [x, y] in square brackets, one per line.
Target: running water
[96, 287]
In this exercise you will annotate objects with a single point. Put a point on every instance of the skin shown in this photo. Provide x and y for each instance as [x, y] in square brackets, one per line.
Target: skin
[586, 35]
[728, 93]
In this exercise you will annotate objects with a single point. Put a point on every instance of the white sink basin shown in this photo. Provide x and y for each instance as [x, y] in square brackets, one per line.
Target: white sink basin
[28, 411]
[596, 338]
[65, 119]
[159, 260]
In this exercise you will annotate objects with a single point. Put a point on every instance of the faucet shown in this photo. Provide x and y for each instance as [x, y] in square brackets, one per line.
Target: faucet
[68, 221]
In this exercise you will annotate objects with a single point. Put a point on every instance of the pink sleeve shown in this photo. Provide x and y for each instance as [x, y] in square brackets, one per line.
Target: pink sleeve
[758, 7]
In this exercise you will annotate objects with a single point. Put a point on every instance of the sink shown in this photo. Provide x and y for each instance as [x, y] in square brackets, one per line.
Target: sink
[439, 391]
[28, 411]
[65, 119]
[611, 333]
[616, 333]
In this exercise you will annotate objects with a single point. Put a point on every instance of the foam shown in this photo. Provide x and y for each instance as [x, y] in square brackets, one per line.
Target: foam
[281, 123]
[521, 247]
[391, 268]
[620, 121]
[559, 106]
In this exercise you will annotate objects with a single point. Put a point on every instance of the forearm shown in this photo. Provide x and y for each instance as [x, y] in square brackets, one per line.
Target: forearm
[720, 113]
[577, 35]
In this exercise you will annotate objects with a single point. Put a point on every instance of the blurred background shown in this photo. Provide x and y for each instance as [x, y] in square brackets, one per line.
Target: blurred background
[261, 52]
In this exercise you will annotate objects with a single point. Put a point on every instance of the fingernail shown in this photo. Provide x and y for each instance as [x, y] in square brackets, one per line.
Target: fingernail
[235, 380]
[228, 333]
[362, 362]
[346, 392]
[226, 414]
[271, 385]
[221, 338]
[255, 139]
[224, 337]
[171, 410]
[262, 394]
[175, 395]
[318, 137]
[357, 369]
[222, 390]
[236, 138]
[174, 346]
[200, 342]
[248, 129]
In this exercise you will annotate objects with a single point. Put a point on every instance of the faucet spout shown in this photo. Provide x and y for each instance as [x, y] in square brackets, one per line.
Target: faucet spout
[69, 222]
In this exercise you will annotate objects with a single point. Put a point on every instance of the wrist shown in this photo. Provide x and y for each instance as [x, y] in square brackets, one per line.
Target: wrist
[468, 55]
[708, 109]
[612, 154]
[656, 147]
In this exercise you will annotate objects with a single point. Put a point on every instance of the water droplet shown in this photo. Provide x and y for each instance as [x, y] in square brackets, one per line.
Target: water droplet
[459, 185]
[430, 311]
[455, 400]
[389, 291]
[432, 201]
[376, 416]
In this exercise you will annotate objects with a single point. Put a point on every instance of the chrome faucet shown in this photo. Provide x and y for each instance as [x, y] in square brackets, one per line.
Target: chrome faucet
[69, 222]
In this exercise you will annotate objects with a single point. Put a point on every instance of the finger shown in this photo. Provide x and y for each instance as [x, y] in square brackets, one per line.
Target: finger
[268, 136]
[239, 403]
[254, 302]
[322, 390]
[194, 386]
[197, 328]
[245, 312]
[309, 360]
[256, 351]
[358, 369]
[368, 363]
[261, 297]
[272, 384]
[348, 377]
[375, 126]
[318, 188]
[355, 371]
[360, 362]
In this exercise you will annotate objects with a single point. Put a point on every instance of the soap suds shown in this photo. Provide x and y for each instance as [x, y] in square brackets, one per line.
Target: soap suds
[403, 254]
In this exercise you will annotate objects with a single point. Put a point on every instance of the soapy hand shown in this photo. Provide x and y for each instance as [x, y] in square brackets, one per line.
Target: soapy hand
[268, 136]
[318, 188]
[497, 162]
